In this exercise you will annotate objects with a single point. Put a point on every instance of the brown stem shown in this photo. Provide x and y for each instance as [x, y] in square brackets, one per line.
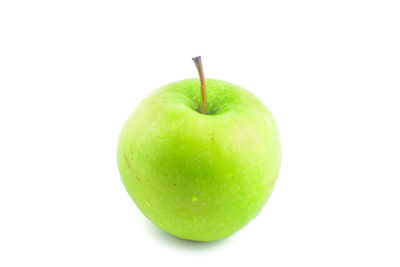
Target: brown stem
[199, 66]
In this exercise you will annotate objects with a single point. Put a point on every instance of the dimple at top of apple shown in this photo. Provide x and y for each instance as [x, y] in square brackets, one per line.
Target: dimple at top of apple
[200, 176]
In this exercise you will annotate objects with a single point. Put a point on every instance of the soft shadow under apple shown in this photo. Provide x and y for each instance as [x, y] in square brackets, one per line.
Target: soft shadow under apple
[183, 243]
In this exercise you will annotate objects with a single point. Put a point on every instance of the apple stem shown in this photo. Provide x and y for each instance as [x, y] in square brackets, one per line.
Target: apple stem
[199, 66]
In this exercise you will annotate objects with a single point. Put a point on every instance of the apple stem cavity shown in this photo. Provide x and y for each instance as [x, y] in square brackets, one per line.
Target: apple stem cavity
[199, 66]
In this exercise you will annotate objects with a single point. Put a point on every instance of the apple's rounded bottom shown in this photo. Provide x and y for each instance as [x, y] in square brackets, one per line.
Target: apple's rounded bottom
[198, 238]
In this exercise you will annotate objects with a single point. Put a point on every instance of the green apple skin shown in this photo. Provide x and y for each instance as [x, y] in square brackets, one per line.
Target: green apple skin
[200, 177]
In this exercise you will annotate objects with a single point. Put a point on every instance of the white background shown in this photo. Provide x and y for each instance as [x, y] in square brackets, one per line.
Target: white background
[72, 71]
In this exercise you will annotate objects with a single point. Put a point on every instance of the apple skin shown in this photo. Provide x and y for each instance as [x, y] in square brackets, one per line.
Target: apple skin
[200, 177]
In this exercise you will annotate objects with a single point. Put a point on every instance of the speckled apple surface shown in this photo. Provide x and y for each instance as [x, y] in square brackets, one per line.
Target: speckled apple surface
[200, 177]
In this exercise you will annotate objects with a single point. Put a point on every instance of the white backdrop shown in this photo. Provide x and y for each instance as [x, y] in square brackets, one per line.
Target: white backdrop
[72, 71]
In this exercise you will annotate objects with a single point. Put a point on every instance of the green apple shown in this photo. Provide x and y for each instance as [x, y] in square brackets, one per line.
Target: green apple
[200, 176]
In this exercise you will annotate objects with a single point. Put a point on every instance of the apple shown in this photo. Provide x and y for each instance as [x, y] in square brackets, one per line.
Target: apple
[200, 157]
